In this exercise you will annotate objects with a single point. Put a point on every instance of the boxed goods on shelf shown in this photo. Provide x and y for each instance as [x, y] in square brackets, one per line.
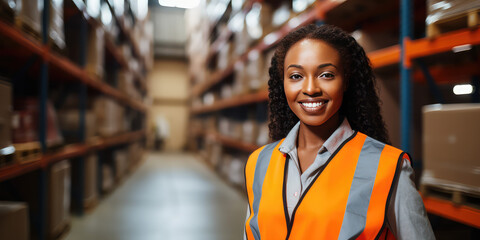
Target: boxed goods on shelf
[56, 32]
[301, 5]
[235, 169]
[226, 92]
[250, 131]
[224, 165]
[29, 16]
[109, 116]
[281, 14]
[447, 15]
[25, 122]
[125, 82]
[69, 120]
[96, 52]
[107, 178]
[255, 68]
[216, 154]
[93, 8]
[450, 147]
[59, 198]
[5, 114]
[135, 154]
[263, 137]
[121, 164]
[210, 98]
[90, 187]
[375, 40]
[259, 20]
[240, 82]
[14, 220]
[225, 56]
[108, 21]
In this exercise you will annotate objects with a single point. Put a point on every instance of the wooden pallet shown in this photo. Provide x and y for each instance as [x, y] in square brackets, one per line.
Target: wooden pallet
[468, 19]
[456, 196]
[27, 152]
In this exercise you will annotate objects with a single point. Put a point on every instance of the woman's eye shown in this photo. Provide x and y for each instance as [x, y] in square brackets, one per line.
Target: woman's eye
[327, 75]
[295, 76]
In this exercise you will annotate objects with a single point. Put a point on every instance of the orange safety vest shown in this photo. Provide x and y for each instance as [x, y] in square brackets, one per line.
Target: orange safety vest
[348, 199]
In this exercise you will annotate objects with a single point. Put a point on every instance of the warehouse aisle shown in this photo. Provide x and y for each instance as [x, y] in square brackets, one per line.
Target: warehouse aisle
[171, 196]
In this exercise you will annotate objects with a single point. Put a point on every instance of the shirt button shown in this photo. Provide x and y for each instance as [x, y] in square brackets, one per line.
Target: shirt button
[295, 194]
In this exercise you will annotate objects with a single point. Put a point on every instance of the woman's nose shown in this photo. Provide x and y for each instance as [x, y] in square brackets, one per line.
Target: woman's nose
[311, 87]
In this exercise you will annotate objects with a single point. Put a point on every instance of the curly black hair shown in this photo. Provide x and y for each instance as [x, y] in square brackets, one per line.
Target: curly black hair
[361, 105]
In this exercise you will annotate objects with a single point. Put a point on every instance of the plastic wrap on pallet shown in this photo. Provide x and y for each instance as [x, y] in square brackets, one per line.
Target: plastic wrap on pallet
[5, 114]
[450, 147]
[14, 220]
[56, 32]
[441, 9]
[59, 199]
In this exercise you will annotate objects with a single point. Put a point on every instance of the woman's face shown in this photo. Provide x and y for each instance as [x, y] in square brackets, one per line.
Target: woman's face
[313, 81]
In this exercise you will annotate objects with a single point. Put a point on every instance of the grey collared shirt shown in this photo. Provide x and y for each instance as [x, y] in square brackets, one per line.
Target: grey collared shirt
[406, 215]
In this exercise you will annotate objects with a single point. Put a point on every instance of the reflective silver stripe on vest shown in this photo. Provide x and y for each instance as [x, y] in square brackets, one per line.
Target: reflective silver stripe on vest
[260, 172]
[355, 217]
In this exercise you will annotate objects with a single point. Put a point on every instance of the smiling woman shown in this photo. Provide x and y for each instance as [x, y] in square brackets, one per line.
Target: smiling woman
[331, 173]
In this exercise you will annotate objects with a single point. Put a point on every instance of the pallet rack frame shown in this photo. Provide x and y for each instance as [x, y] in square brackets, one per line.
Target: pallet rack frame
[49, 58]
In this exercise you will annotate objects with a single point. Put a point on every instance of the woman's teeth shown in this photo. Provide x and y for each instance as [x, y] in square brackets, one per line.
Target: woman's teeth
[312, 105]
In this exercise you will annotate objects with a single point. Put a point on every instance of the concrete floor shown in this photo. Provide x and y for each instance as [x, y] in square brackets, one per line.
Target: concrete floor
[170, 196]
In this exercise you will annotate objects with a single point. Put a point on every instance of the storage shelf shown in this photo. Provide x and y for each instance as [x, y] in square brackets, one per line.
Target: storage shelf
[229, 141]
[64, 65]
[462, 214]
[318, 11]
[70, 151]
[233, 102]
[443, 43]
[385, 57]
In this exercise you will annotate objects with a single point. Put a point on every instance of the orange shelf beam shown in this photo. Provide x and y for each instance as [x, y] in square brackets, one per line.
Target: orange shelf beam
[70, 151]
[385, 57]
[443, 43]
[462, 214]
[233, 102]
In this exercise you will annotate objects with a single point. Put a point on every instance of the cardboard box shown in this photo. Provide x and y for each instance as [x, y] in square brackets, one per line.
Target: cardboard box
[95, 52]
[255, 68]
[241, 81]
[69, 121]
[109, 116]
[5, 114]
[450, 146]
[14, 221]
[59, 198]
[250, 131]
[263, 134]
[375, 40]
[91, 173]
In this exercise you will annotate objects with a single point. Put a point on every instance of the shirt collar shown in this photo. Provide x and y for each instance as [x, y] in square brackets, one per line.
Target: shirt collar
[343, 132]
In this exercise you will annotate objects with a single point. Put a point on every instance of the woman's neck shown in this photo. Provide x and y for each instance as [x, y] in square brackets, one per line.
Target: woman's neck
[315, 136]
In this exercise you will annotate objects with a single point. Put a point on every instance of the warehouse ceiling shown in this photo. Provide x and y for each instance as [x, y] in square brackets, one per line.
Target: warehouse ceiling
[169, 30]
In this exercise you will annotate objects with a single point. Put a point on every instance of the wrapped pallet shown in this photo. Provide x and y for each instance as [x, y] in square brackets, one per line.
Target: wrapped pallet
[29, 16]
[450, 147]
[59, 198]
[450, 15]
[95, 53]
[69, 121]
[14, 221]
[56, 33]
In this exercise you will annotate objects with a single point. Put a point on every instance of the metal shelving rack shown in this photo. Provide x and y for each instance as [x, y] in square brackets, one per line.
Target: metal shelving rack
[52, 62]
[403, 54]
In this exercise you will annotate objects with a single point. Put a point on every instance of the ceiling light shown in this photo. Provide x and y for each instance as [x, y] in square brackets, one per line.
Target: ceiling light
[463, 89]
